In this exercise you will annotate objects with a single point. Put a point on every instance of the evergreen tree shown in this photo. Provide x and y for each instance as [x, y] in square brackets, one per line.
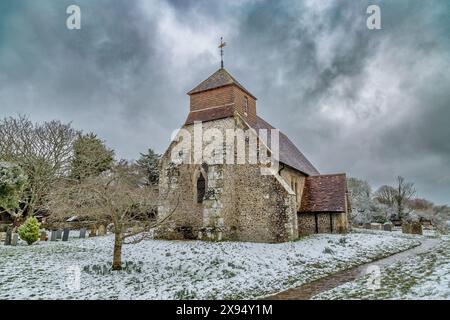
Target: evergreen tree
[12, 184]
[91, 157]
[29, 231]
[148, 164]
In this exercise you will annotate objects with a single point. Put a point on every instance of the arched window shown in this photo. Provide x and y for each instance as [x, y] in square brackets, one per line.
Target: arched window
[201, 188]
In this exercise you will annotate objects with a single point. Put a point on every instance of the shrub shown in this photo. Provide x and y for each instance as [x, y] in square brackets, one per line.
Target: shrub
[29, 231]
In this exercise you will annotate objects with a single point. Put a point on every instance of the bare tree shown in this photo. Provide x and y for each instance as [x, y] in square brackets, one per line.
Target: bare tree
[42, 150]
[405, 191]
[420, 204]
[397, 197]
[116, 196]
[386, 195]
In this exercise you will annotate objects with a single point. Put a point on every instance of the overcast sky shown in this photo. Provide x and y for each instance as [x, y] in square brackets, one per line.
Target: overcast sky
[372, 103]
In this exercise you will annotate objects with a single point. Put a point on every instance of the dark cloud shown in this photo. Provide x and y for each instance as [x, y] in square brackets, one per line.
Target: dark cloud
[374, 104]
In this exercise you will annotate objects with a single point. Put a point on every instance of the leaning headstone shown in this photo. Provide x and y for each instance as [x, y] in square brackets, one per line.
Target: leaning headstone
[15, 239]
[82, 233]
[93, 231]
[65, 236]
[43, 236]
[59, 234]
[8, 237]
[375, 226]
[101, 230]
[416, 228]
[53, 235]
[406, 227]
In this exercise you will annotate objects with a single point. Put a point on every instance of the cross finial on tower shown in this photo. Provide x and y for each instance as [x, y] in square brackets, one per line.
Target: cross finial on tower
[221, 46]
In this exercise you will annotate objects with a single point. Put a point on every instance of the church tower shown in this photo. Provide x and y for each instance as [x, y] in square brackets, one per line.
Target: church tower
[221, 96]
[232, 200]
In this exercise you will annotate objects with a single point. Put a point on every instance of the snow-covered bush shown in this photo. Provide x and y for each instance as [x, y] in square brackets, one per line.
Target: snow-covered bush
[29, 231]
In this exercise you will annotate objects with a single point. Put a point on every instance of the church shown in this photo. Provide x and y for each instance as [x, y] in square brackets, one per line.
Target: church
[237, 201]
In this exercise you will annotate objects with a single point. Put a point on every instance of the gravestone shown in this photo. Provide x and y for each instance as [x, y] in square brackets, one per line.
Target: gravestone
[43, 236]
[375, 226]
[15, 239]
[82, 233]
[8, 236]
[387, 226]
[59, 234]
[101, 230]
[416, 228]
[53, 235]
[93, 231]
[66, 234]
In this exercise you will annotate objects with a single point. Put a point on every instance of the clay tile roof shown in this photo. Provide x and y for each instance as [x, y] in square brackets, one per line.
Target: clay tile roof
[289, 153]
[324, 193]
[210, 114]
[220, 78]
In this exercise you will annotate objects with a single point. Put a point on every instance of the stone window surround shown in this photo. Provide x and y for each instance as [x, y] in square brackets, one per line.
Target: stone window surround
[198, 171]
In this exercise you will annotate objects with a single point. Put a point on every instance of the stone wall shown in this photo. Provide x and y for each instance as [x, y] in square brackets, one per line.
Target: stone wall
[306, 223]
[327, 223]
[240, 203]
[341, 222]
[323, 220]
[266, 208]
[292, 178]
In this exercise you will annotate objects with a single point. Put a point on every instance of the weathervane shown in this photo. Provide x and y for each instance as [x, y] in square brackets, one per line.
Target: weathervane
[221, 46]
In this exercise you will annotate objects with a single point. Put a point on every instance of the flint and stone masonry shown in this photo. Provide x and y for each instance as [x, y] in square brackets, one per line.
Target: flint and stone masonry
[223, 201]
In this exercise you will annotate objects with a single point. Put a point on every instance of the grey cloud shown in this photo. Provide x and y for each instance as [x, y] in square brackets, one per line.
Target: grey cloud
[374, 104]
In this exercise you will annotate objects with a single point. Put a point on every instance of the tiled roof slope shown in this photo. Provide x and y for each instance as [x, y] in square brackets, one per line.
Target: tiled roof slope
[289, 153]
[220, 78]
[210, 114]
[324, 193]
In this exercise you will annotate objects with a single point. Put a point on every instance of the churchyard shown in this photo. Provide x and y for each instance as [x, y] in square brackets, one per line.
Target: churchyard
[424, 276]
[80, 268]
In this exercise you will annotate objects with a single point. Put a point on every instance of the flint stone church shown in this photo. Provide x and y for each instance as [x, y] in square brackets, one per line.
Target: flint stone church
[236, 201]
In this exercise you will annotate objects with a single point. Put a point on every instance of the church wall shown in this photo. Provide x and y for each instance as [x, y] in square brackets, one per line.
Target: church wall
[266, 210]
[292, 176]
[212, 219]
[323, 220]
[306, 224]
[341, 222]
[241, 205]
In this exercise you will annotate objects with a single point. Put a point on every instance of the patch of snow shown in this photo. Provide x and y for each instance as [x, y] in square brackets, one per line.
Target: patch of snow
[79, 268]
[424, 276]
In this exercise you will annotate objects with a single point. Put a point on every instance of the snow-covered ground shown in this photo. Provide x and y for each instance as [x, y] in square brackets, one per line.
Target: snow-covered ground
[79, 268]
[424, 276]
